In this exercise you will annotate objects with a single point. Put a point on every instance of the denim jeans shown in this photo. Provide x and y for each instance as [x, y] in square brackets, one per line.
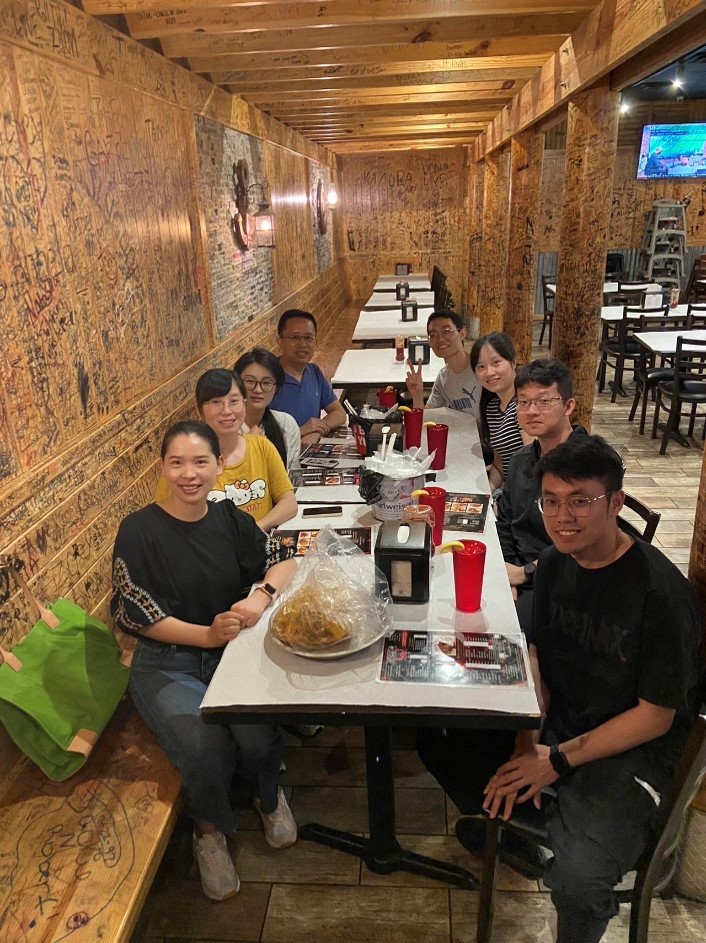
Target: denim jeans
[168, 683]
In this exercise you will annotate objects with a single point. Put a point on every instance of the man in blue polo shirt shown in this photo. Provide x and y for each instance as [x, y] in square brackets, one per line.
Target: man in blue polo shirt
[306, 391]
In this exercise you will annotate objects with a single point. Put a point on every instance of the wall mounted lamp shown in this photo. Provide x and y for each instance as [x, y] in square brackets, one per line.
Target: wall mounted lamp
[247, 196]
[332, 198]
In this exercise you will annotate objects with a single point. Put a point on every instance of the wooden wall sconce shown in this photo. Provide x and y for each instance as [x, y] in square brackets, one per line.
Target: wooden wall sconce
[246, 196]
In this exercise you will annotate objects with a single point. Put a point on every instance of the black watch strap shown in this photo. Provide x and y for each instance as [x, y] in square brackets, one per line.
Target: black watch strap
[558, 760]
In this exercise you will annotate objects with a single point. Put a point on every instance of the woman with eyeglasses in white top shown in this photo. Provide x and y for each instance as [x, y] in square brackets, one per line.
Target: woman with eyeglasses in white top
[262, 376]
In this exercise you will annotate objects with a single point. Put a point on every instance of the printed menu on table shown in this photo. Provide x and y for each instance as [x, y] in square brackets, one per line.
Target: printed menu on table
[316, 477]
[468, 658]
[336, 450]
[301, 539]
[466, 511]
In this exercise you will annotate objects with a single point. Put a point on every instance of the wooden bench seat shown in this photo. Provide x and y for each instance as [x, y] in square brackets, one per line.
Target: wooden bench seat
[77, 858]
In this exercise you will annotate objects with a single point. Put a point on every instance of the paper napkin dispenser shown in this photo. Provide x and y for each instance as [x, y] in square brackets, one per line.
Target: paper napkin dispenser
[403, 553]
[402, 268]
[409, 310]
[402, 291]
[418, 350]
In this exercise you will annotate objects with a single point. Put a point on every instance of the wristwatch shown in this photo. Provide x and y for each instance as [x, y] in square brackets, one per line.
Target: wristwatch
[558, 760]
[529, 569]
[269, 590]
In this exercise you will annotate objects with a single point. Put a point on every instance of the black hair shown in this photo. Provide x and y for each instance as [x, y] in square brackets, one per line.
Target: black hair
[545, 372]
[444, 313]
[582, 458]
[215, 383]
[190, 427]
[270, 426]
[295, 313]
[501, 344]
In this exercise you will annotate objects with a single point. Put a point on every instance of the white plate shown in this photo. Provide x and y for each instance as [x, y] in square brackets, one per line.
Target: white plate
[351, 645]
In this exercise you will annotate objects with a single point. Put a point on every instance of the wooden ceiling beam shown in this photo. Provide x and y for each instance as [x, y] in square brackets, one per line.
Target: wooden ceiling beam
[379, 96]
[523, 51]
[615, 32]
[386, 121]
[393, 144]
[452, 29]
[412, 108]
[426, 81]
[244, 82]
[219, 18]
[344, 134]
[680, 42]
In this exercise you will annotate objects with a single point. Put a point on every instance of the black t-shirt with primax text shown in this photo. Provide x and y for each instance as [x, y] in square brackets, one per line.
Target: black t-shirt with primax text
[606, 637]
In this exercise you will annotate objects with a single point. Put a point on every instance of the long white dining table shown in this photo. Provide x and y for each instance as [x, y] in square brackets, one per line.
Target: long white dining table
[612, 313]
[416, 282]
[378, 367]
[386, 324]
[611, 288]
[664, 343]
[259, 681]
[383, 299]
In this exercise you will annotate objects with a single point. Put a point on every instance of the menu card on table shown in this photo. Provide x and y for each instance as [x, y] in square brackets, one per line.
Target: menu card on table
[468, 658]
[466, 511]
[316, 477]
[301, 539]
[336, 450]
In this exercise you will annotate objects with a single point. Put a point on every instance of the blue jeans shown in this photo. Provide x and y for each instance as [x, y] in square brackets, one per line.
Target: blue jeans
[168, 683]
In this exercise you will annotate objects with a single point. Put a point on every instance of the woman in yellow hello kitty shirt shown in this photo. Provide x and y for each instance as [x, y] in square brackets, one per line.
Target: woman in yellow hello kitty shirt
[254, 477]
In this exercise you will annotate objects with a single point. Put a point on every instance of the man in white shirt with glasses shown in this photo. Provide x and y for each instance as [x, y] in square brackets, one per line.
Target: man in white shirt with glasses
[456, 385]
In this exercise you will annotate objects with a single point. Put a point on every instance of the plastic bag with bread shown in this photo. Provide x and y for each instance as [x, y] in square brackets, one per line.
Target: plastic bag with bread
[338, 596]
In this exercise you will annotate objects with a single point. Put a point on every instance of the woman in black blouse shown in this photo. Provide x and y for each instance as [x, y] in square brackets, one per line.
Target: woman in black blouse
[182, 571]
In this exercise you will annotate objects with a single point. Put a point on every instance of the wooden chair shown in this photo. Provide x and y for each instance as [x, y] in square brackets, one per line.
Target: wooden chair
[627, 293]
[650, 517]
[696, 316]
[621, 347]
[647, 373]
[654, 870]
[687, 388]
[548, 299]
[696, 286]
[436, 277]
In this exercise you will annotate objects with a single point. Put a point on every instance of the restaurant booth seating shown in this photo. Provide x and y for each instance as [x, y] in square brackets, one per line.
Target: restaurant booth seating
[656, 868]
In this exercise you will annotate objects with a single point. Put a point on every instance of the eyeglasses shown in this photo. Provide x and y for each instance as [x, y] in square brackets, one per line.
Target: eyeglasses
[219, 405]
[544, 402]
[304, 338]
[444, 332]
[266, 385]
[577, 505]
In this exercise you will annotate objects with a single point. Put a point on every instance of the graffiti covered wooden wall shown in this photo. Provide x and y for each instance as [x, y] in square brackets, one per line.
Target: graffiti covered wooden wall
[408, 207]
[106, 311]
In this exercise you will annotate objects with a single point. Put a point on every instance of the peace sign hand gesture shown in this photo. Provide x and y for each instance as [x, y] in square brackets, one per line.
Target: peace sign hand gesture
[415, 384]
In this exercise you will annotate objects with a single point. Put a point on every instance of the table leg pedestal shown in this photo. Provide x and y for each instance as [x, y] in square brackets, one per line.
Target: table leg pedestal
[381, 852]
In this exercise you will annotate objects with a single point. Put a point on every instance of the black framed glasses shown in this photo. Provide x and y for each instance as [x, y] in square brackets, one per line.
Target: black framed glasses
[266, 385]
[577, 504]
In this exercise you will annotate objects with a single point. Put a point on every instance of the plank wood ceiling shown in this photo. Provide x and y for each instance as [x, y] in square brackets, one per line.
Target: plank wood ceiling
[361, 75]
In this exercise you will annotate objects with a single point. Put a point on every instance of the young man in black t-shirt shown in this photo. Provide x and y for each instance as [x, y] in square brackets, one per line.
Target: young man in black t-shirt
[615, 636]
[614, 655]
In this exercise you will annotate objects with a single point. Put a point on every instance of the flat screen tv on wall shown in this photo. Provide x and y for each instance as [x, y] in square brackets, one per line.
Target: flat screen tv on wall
[672, 150]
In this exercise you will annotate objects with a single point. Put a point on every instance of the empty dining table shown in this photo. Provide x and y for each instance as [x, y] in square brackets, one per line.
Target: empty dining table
[385, 324]
[612, 313]
[388, 283]
[382, 299]
[664, 343]
[378, 367]
[611, 288]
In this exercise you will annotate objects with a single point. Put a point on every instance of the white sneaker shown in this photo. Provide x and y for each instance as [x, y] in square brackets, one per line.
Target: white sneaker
[218, 878]
[280, 827]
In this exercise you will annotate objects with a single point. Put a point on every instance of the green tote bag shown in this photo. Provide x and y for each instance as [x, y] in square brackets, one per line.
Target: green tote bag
[60, 685]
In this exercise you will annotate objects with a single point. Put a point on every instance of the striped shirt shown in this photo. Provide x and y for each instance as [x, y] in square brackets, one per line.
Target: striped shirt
[505, 436]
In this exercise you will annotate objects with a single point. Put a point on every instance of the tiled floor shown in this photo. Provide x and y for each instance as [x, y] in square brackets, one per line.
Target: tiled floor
[310, 894]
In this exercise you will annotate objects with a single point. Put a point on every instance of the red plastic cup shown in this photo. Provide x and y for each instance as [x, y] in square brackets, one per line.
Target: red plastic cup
[469, 565]
[387, 398]
[436, 499]
[437, 438]
[413, 428]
